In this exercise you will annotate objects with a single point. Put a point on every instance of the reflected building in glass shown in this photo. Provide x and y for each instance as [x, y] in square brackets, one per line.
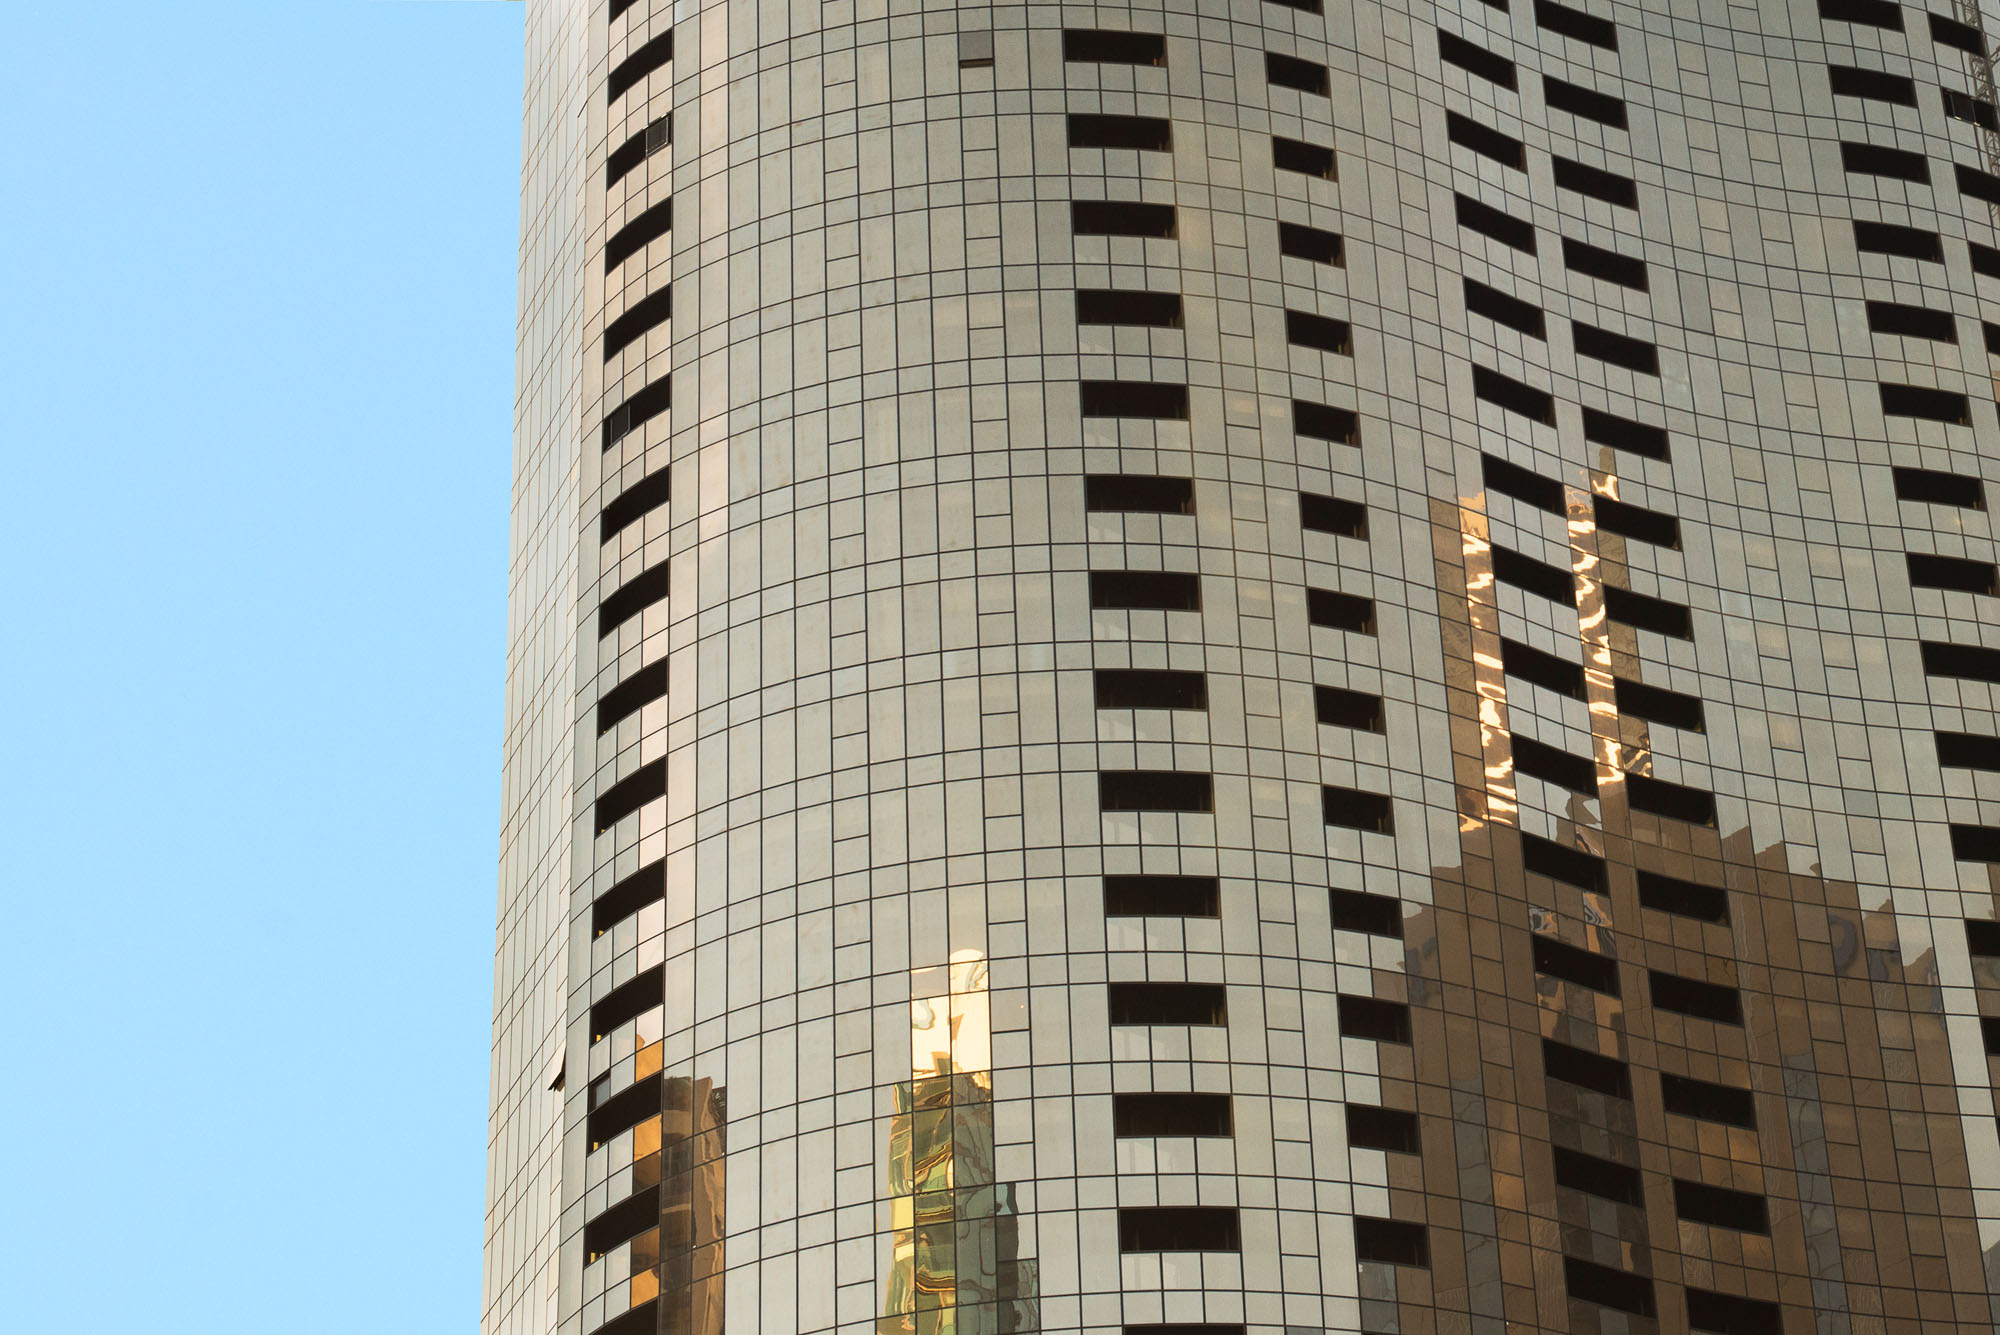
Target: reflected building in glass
[1252, 669]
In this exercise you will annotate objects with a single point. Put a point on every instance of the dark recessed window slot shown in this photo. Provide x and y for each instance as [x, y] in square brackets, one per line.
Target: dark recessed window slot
[1622, 433]
[1150, 688]
[1585, 102]
[625, 159]
[1332, 514]
[1138, 493]
[634, 596]
[1930, 405]
[1359, 911]
[1603, 1178]
[1910, 243]
[1871, 85]
[1542, 668]
[1969, 661]
[1388, 1129]
[1586, 1070]
[1316, 421]
[638, 410]
[1675, 801]
[1691, 996]
[1729, 1314]
[1657, 704]
[1133, 398]
[1290, 72]
[1374, 1019]
[1306, 330]
[1939, 488]
[1295, 155]
[637, 234]
[1338, 708]
[1890, 317]
[1475, 60]
[1391, 1242]
[1634, 354]
[1502, 227]
[1975, 843]
[1309, 243]
[1559, 862]
[1148, 134]
[1982, 937]
[631, 695]
[1550, 765]
[1595, 182]
[648, 885]
[1586, 28]
[1875, 160]
[1357, 809]
[1584, 258]
[634, 503]
[632, 71]
[640, 318]
[1989, 1032]
[1121, 217]
[1500, 308]
[1305, 6]
[1160, 310]
[1720, 1207]
[1950, 32]
[1144, 896]
[1620, 1290]
[1146, 590]
[619, 7]
[1106, 46]
[1687, 899]
[1985, 259]
[1485, 141]
[1642, 610]
[1972, 110]
[1506, 392]
[1573, 964]
[1951, 572]
[1991, 333]
[625, 1109]
[1524, 485]
[1706, 1102]
[1537, 577]
[622, 1222]
[1636, 521]
[1168, 1003]
[1976, 184]
[1179, 1228]
[626, 796]
[1155, 790]
[628, 1001]
[1137, 1116]
[1965, 750]
[1340, 611]
[1874, 13]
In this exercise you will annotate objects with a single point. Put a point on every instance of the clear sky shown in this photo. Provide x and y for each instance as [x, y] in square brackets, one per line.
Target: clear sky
[257, 304]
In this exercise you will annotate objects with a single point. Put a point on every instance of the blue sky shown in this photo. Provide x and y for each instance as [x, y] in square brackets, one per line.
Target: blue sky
[257, 275]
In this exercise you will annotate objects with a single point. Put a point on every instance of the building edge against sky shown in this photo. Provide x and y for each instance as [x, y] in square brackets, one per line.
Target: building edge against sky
[1259, 667]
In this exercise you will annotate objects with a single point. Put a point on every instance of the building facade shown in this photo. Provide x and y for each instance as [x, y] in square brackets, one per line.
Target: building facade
[1252, 667]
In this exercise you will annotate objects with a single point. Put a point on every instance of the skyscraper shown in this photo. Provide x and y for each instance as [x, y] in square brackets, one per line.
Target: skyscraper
[1255, 667]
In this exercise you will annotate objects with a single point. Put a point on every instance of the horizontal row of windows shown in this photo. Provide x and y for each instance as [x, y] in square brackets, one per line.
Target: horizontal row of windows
[1558, 93]
[1587, 871]
[1683, 1096]
[1886, 14]
[1193, 792]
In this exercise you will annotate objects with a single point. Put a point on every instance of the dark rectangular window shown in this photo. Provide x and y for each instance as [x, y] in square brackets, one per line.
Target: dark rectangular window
[1636, 521]
[1939, 488]
[1290, 72]
[1931, 405]
[1133, 398]
[1630, 608]
[1506, 392]
[1502, 227]
[1891, 317]
[1500, 308]
[1584, 258]
[1192, 1327]
[1559, 862]
[1138, 493]
[1970, 661]
[1155, 790]
[1550, 765]
[1991, 333]
[1951, 572]
[1720, 1207]
[1391, 1242]
[1622, 433]
[1388, 1129]
[1306, 330]
[1339, 708]
[1573, 964]
[1374, 1019]
[1586, 1070]
[1585, 102]
[1524, 485]
[648, 885]
[634, 503]
[1675, 801]
[1151, 134]
[1538, 577]
[1340, 611]
[1950, 32]
[634, 596]
[1295, 155]
[628, 1001]
[1595, 182]
[1634, 354]
[1687, 899]
[1168, 1003]
[638, 410]
[1989, 1031]
[1146, 590]
[1307, 6]
[1150, 688]
[1874, 13]
[630, 793]
[1160, 310]
[1476, 60]
[1137, 1116]
[1542, 668]
[1691, 996]
[1982, 937]
[619, 7]
[1309, 243]
[1144, 896]
[1875, 160]
[1657, 704]
[1359, 911]
[642, 316]
[1357, 809]
[1179, 1228]
[1911, 243]
[625, 159]
[1587, 28]
[1620, 1290]
[1965, 750]
[1972, 110]
[1485, 141]
[1975, 843]
[1729, 1314]
[1985, 259]
[636, 235]
[1705, 1102]
[631, 695]
[1121, 217]
[625, 1109]
[632, 70]
[1976, 184]
[1871, 85]
[1316, 421]
[1106, 46]
[1598, 1177]
[622, 1222]
[1332, 514]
